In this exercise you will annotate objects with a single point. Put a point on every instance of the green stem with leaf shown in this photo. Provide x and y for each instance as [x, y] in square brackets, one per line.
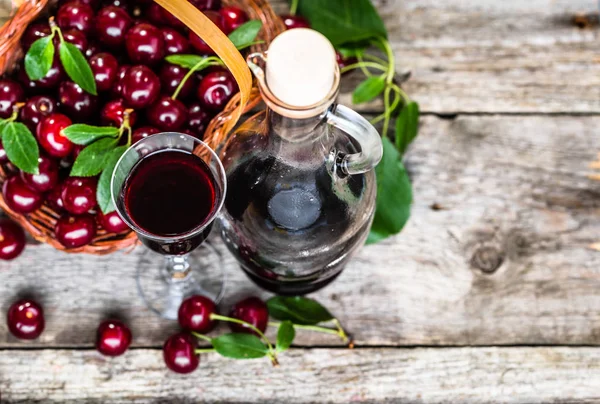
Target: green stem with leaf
[204, 63]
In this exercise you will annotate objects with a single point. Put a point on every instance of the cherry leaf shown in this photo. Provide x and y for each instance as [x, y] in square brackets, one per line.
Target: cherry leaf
[77, 67]
[240, 346]
[21, 147]
[285, 335]
[83, 134]
[298, 310]
[245, 34]
[92, 160]
[407, 126]
[103, 193]
[39, 58]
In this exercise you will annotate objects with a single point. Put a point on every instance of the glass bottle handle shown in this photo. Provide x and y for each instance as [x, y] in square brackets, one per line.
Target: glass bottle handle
[361, 130]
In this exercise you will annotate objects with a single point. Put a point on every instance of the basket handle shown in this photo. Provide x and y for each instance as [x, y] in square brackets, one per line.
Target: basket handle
[202, 26]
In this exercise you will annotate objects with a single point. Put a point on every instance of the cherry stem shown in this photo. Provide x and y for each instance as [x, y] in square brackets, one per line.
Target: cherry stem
[253, 328]
[55, 29]
[204, 63]
[363, 65]
[125, 126]
[294, 7]
[309, 328]
[201, 336]
[389, 82]
[361, 62]
[201, 351]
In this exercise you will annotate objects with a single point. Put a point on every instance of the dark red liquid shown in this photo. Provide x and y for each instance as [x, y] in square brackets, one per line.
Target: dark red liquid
[169, 194]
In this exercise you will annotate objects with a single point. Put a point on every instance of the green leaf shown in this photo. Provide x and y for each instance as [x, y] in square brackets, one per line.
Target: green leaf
[240, 346]
[21, 147]
[77, 67]
[343, 21]
[187, 61]
[103, 192]
[394, 195]
[39, 58]
[285, 335]
[92, 160]
[368, 89]
[245, 33]
[407, 126]
[83, 134]
[298, 310]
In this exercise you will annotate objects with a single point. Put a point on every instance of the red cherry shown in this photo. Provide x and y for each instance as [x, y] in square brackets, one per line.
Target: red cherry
[145, 44]
[92, 49]
[54, 198]
[216, 89]
[76, 102]
[25, 319]
[76, 15]
[19, 197]
[35, 109]
[170, 77]
[75, 37]
[233, 17]
[140, 87]
[204, 5]
[198, 119]
[79, 194]
[10, 94]
[142, 133]
[113, 113]
[295, 21]
[75, 231]
[91, 3]
[50, 135]
[167, 18]
[197, 42]
[194, 314]
[251, 310]
[112, 24]
[167, 114]
[46, 179]
[179, 353]
[342, 61]
[76, 151]
[12, 239]
[113, 338]
[112, 222]
[117, 89]
[33, 33]
[174, 41]
[53, 78]
[105, 68]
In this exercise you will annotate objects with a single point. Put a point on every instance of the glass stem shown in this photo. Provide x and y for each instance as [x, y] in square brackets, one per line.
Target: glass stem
[178, 267]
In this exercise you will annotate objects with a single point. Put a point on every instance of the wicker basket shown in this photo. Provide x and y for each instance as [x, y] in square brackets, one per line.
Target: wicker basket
[40, 224]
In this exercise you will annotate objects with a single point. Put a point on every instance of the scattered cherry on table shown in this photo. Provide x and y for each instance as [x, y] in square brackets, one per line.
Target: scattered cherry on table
[113, 338]
[194, 314]
[179, 353]
[25, 319]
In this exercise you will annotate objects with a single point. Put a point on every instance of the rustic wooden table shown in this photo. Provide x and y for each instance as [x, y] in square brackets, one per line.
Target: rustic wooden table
[491, 293]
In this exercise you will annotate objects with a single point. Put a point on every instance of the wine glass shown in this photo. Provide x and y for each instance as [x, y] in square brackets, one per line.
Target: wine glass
[169, 188]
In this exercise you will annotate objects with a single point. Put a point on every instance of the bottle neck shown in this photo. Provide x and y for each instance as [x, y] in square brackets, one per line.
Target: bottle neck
[297, 130]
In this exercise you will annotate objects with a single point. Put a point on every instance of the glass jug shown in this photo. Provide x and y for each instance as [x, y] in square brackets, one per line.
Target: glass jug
[302, 189]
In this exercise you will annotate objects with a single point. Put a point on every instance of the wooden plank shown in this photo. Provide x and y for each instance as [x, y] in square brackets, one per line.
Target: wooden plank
[489, 56]
[507, 375]
[496, 251]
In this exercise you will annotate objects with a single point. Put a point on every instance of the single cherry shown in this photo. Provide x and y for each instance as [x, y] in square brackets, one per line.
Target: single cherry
[216, 89]
[76, 15]
[117, 88]
[79, 194]
[145, 44]
[197, 42]
[174, 41]
[34, 32]
[343, 62]
[12, 239]
[10, 94]
[54, 198]
[113, 113]
[179, 353]
[76, 102]
[194, 314]
[53, 78]
[113, 338]
[50, 135]
[25, 319]
[233, 17]
[167, 114]
[204, 5]
[170, 77]
[143, 132]
[295, 21]
[75, 231]
[105, 68]
[19, 197]
[198, 119]
[35, 109]
[112, 222]
[47, 177]
[251, 310]
[112, 24]
[140, 87]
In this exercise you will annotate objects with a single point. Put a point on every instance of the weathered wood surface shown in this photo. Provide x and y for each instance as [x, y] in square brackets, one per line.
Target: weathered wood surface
[493, 56]
[496, 251]
[467, 375]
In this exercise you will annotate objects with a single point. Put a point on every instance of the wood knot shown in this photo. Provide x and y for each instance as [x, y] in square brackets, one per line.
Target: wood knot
[487, 259]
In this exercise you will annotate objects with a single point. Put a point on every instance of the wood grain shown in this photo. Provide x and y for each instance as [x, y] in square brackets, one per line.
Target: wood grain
[496, 251]
[509, 375]
[488, 56]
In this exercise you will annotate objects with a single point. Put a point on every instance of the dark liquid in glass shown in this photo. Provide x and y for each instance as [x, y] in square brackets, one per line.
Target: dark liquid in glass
[169, 194]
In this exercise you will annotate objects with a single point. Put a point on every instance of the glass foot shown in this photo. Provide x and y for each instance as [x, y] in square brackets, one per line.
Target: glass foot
[163, 291]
